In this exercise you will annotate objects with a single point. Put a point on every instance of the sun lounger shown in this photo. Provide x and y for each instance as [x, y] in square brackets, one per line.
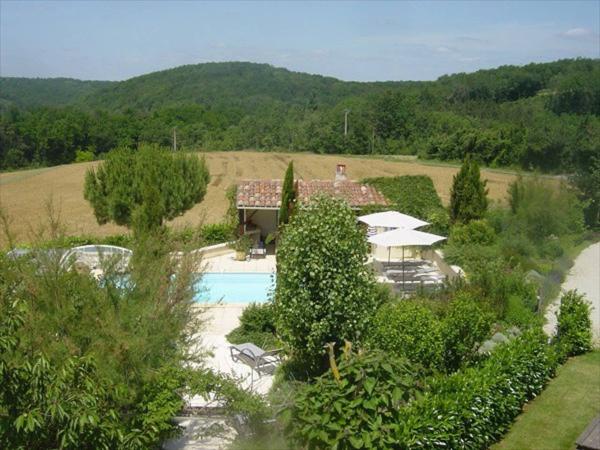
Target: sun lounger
[258, 253]
[256, 358]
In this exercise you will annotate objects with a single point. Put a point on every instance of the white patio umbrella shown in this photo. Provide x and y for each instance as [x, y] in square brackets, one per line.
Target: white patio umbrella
[392, 219]
[402, 237]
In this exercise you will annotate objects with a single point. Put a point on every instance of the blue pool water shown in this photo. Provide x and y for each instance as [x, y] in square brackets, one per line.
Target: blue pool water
[235, 287]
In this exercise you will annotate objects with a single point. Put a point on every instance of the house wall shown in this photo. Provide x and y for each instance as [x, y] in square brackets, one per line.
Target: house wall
[381, 253]
[265, 219]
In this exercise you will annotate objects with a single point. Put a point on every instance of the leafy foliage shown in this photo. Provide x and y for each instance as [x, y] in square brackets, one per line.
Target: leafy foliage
[465, 326]
[354, 405]
[48, 405]
[88, 364]
[149, 182]
[468, 196]
[542, 211]
[574, 333]
[409, 330]
[476, 232]
[257, 325]
[474, 407]
[324, 291]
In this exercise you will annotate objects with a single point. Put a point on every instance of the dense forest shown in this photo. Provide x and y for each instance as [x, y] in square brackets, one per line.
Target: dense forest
[538, 116]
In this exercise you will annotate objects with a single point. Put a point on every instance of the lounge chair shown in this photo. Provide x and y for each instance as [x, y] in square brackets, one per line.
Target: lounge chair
[258, 253]
[256, 358]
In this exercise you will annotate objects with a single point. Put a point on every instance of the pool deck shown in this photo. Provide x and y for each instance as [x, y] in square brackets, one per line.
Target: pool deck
[223, 318]
[227, 263]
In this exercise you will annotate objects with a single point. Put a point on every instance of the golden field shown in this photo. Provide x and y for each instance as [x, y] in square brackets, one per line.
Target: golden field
[24, 194]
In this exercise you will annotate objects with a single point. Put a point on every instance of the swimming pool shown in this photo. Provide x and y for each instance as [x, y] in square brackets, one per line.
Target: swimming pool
[234, 287]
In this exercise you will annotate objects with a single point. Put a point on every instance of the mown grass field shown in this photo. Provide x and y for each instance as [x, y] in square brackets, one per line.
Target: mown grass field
[555, 419]
[23, 194]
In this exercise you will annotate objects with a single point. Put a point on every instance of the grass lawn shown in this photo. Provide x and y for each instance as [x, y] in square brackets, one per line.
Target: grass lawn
[556, 418]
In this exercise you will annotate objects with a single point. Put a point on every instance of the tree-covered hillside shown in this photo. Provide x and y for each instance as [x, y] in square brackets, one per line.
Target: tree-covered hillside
[34, 92]
[232, 85]
[538, 116]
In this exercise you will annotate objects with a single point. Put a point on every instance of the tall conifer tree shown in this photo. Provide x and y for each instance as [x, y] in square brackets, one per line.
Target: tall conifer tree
[468, 196]
[288, 195]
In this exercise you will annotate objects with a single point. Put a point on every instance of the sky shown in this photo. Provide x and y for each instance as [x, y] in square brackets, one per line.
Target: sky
[361, 41]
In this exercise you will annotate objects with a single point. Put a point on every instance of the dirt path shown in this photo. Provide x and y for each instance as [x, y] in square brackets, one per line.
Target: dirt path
[585, 277]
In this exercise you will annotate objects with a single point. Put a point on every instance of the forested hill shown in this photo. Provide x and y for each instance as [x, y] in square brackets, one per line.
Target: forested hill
[34, 92]
[538, 116]
[240, 85]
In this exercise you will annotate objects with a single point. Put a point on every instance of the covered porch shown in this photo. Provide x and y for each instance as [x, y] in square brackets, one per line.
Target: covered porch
[258, 223]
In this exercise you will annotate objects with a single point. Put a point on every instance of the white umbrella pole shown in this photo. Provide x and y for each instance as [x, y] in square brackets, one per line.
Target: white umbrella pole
[403, 268]
[389, 251]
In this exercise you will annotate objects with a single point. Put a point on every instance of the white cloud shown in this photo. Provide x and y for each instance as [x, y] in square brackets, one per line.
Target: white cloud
[468, 58]
[577, 33]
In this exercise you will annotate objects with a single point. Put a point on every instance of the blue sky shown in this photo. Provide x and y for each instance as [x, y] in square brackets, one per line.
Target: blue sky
[349, 40]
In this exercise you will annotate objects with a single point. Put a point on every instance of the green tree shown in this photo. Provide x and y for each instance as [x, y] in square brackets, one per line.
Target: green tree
[587, 180]
[468, 196]
[324, 291]
[288, 195]
[128, 179]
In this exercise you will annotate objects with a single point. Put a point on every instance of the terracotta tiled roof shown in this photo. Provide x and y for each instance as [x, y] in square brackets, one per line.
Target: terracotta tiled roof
[267, 193]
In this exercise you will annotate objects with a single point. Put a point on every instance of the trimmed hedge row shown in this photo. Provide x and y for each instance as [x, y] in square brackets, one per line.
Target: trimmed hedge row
[205, 235]
[474, 407]
[469, 409]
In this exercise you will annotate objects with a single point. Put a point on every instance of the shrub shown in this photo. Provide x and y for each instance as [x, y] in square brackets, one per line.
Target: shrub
[84, 155]
[91, 365]
[464, 326]
[474, 407]
[216, 233]
[355, 404]
[517, 313]
[257, 325]
[541, 210]
[324, 291]
[574, 333]
[496, 283]
[409, 330]
[476, 232]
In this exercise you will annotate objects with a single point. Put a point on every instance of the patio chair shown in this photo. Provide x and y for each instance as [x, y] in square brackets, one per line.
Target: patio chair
[258, 253]
[256, 358]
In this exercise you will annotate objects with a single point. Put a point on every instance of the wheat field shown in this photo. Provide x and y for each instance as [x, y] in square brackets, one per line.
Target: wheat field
[24, 195]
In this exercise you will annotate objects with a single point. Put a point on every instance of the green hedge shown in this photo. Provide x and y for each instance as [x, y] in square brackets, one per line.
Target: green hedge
[474, 407]
[376, 401]
[414, 195]
[209, 234]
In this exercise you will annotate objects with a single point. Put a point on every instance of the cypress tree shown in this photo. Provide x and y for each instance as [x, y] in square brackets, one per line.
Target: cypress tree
[288, 195]
[468, 196]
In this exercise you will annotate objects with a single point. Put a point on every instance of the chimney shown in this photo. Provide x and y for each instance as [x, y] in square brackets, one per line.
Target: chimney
[340, 172]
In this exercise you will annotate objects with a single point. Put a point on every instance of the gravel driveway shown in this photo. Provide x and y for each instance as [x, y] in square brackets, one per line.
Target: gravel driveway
[585, 277]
